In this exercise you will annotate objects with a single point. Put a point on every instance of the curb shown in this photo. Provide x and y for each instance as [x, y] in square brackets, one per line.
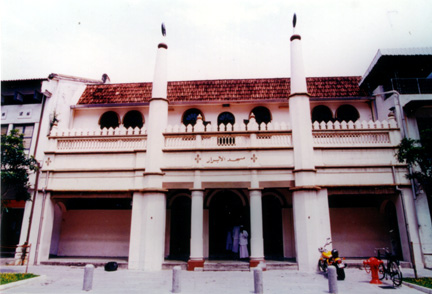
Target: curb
[417, 287]
[19, 283]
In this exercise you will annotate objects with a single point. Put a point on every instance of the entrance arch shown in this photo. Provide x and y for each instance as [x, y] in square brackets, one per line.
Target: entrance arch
[226, 209]
[272, 227]
[180, 225]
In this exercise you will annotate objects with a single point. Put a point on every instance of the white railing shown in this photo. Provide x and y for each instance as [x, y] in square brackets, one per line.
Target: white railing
[100, 144]
[371, 133]
[252, 135]
[221, 140]
[390, 124]
[55, 132]
[242, 135]
[199, 127]
[351, 139]
[118, 139]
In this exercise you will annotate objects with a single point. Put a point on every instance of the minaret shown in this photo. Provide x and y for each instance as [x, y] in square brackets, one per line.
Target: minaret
[310, 203]
[158, 110]
[147, 241]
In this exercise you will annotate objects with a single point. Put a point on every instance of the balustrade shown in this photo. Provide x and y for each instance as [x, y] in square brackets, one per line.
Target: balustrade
[100, 144]
[350, 139]
[272, 135]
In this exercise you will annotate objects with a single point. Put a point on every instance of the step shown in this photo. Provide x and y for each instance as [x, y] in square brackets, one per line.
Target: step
[122, 264]
[226, 266]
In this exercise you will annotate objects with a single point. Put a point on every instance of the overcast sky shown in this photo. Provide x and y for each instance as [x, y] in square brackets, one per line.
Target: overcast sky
[221, 39]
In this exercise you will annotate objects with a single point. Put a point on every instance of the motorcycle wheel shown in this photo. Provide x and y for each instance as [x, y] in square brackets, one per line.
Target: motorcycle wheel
[322, 265]
[340, 273]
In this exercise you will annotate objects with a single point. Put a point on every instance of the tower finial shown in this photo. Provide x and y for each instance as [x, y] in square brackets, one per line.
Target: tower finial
[294, 20]
[163, 29]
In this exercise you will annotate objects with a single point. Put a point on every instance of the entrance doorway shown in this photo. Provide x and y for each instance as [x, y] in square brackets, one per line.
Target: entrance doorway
[180, 228]
[226, 210]
[272, 228]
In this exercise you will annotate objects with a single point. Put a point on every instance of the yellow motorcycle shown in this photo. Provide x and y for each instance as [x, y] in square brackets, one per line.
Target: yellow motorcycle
[331, 258]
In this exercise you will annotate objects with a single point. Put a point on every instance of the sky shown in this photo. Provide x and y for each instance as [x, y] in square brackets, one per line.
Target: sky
[223, 39]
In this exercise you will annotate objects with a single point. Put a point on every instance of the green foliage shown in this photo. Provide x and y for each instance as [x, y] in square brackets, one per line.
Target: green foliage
[15, 166]
[6, 278]
[424, 282]
[418, 153]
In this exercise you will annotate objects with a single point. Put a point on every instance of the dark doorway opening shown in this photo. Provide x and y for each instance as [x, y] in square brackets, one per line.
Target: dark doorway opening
[11, 221]
[272, 228]
[393, 229]
[180, 229]
[226, 210]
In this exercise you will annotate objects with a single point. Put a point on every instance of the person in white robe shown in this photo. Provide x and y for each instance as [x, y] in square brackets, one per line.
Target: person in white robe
[243, 242]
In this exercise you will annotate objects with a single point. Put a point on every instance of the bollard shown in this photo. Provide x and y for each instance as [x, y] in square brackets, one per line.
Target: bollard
[88, 277]
[332, 280]
[258, 280]
[176, 279]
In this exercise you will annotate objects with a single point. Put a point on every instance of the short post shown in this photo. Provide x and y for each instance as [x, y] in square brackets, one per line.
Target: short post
[176, 279]
[88, 277]
[332, 280]
[258, 280]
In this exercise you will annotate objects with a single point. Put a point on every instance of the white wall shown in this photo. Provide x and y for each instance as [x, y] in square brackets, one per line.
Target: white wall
[95, 233]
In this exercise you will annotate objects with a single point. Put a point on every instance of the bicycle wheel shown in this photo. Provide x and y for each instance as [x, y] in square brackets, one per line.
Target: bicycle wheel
[395, 273]
[381, 271]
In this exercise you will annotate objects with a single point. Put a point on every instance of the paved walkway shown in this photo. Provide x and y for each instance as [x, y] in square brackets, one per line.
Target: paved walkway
[67, 279]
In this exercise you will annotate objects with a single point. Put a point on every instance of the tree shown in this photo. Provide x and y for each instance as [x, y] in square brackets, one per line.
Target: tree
[15, 167]
[418, 153]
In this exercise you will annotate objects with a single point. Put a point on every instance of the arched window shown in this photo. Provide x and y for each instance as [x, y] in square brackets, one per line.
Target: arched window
[347, 113]
[262, 114]
[190, 116]
[226, 118]
[321, 113]
[108, 120]
[133, 119]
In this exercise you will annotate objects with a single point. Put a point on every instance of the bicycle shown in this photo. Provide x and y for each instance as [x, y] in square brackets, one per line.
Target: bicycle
[391, 269]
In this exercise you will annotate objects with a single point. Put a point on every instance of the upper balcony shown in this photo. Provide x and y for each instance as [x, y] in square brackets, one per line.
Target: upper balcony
[226, 137]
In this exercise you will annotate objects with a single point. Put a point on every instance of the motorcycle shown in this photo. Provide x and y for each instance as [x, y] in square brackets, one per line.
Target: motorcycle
[329, 258]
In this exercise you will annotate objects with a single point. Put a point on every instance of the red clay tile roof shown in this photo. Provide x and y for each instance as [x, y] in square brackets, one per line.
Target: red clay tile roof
[222, 90]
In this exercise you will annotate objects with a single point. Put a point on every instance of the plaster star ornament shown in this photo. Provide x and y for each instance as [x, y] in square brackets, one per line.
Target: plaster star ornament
[163, 29]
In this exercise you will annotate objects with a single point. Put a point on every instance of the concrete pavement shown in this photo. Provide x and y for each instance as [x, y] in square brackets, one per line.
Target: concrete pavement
[69, 279]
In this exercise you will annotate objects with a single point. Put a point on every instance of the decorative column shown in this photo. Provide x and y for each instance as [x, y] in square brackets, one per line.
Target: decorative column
[197, 241]
[147, 241]
[256, 221]
[310, 207]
